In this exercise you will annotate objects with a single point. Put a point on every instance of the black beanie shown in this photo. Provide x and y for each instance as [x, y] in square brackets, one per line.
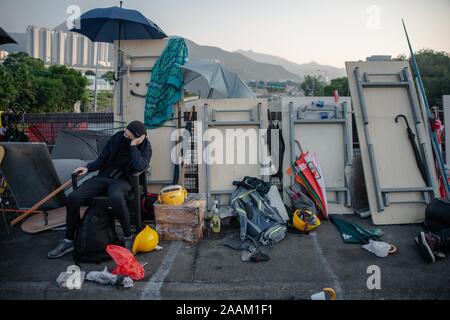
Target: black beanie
[137, 128]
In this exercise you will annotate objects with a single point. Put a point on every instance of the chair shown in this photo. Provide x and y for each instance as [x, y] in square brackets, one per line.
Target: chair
[138, 187]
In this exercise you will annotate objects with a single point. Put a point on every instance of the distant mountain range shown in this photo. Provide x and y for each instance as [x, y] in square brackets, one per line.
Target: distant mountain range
[247, 68]
[248, 64]
[298, 69]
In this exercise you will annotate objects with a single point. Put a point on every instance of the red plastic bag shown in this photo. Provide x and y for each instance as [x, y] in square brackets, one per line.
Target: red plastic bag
[127, 265]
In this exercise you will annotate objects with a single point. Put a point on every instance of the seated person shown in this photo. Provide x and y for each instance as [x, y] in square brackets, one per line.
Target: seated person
[126, 152]
[436, 241]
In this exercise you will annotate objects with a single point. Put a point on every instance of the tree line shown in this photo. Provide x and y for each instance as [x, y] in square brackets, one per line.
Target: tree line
[434, 67]
[38, 89]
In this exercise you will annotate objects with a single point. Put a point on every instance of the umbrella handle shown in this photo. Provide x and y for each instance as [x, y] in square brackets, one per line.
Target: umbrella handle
[299, 146]
[435, 111]
[191, 113]
[404, 117]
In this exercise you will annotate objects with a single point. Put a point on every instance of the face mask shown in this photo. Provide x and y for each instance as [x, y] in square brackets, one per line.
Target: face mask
[127, 138]
[126, 142]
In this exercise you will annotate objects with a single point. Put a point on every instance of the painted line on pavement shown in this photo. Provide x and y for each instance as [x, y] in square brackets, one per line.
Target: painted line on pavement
[152, 289]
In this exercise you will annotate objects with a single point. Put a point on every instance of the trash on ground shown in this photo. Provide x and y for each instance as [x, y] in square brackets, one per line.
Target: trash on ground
[254, 256]
[325, 294]
[105, 277]
[215, 220]
[65, 276]
[379, 248]
[127, 265]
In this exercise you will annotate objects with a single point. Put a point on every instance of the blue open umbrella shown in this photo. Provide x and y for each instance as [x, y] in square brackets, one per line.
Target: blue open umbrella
[114, 23]
[5, 37]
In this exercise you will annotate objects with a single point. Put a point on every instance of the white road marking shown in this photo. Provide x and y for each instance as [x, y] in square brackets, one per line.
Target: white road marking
[336, 283]
[152, 290]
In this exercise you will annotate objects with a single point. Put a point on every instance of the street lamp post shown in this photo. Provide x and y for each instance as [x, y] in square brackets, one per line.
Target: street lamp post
[95, 85]
[325, 78]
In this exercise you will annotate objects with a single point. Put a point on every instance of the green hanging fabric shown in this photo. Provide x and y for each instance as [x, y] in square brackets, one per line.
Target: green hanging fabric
[353, 233]
[166, 83]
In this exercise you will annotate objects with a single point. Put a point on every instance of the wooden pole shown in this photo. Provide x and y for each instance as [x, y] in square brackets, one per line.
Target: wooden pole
[40, 203]
[9, 210]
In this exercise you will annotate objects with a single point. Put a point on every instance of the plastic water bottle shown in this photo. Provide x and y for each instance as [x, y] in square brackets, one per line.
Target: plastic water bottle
[215, 221]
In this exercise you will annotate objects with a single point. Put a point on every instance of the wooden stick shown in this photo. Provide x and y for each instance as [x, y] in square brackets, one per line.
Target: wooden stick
[2, 153]
[40, 203]
[9, 210]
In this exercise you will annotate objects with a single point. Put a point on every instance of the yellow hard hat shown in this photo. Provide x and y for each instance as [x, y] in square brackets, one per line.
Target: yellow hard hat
[305, 220]
[173, 195]
[145, 241]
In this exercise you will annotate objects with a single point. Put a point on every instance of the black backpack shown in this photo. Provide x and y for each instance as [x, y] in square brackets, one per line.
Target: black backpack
[253, 183]
[96, 231]
[437, 216]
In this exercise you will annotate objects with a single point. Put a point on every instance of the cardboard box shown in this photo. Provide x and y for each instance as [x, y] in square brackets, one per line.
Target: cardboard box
[183, 222]
[180, 232]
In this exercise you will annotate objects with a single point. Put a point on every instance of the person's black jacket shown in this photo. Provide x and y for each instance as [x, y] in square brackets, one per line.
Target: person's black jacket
[140, 155]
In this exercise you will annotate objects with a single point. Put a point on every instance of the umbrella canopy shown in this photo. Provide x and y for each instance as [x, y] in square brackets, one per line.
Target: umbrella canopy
[82, 145]
[353, 233]
[114, 23]
[5, 37]
[438, 128]
[212, 80]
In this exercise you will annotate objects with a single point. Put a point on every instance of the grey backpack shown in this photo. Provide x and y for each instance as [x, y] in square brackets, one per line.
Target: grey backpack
[259, 221]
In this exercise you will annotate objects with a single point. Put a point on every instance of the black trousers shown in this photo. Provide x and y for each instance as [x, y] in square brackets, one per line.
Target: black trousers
[437, 220]
[116, 190]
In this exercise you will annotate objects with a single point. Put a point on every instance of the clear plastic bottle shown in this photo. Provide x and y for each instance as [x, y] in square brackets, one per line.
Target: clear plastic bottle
[215, 220]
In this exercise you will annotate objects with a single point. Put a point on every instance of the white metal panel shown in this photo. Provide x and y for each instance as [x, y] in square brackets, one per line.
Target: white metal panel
[223, 175]
[396, 166]
[134, 106]
[324, 139]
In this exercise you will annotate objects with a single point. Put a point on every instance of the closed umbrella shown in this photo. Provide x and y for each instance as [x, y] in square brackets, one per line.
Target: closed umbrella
[412, 140]
[438, 128]
[212, 80]
[307, 175]
[314, 166]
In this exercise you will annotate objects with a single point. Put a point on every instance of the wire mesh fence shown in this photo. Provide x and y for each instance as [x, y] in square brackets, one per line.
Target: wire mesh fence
[191, 169]
[44, 127]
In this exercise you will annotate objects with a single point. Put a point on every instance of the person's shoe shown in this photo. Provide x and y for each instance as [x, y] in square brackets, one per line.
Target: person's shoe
[428, 245]
[128, 242]
[61, 249]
